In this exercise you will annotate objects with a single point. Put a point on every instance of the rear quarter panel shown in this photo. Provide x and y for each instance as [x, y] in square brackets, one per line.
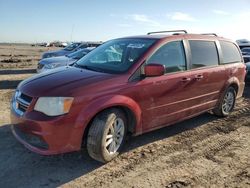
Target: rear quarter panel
[236, 73]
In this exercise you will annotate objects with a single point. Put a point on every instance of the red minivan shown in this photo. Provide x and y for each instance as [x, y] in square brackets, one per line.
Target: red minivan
[127, 85]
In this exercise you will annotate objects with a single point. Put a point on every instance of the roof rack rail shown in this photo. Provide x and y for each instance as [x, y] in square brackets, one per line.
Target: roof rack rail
[171, 31]
[212, 34]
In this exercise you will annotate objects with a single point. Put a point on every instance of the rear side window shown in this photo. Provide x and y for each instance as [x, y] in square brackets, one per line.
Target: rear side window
[204, 53]
[171, 55]
[230, 52]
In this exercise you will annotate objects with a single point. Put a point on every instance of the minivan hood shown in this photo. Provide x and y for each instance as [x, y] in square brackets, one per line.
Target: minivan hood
[60, 81]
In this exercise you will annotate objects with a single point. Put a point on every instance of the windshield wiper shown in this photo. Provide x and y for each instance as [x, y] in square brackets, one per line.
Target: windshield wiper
[88, 68]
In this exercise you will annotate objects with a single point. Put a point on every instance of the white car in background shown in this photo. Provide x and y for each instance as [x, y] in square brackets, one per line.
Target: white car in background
[69, 59]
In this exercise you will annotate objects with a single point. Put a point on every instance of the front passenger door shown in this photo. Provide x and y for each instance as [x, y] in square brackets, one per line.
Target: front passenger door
[165, 97]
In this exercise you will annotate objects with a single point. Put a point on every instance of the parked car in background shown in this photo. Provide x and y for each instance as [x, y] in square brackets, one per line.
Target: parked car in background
[129, 85]
[88, 44]
[67, 50]
[57, 44]
[70, 48]
[243, 43]
[248, 72]
[245, 51]
[63, 44]
[54, 62]
[42, 44]
[246, 54]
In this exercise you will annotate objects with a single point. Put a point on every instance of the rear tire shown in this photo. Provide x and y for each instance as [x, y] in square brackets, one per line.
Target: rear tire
[106, 135]
[226, 104]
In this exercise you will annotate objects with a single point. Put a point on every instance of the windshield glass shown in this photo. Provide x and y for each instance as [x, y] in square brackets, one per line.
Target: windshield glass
[115, 56]
[72, 46]
[78, 54]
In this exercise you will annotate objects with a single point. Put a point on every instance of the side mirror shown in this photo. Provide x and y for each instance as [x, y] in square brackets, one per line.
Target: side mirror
[154, 70]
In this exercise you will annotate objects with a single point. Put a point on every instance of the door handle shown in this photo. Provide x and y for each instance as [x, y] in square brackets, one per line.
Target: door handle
[198, 77]
[186, 79]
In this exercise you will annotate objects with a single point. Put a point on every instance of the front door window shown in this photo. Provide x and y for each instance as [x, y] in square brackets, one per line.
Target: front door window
[171, 55]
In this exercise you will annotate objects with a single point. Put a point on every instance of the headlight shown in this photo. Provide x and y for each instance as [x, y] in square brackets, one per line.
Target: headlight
[54, 106]
[52, 65]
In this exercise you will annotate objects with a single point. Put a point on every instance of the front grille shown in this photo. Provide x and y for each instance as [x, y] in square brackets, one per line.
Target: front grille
[23, 108]
[21, 102]
[26, 98]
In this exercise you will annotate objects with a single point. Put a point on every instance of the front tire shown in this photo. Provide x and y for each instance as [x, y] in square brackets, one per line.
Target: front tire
[227, 103]
[106, 135]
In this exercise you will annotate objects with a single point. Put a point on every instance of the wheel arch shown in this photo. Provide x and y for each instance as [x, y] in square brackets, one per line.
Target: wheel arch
[233, 82]
[235, 86]
[130, 108]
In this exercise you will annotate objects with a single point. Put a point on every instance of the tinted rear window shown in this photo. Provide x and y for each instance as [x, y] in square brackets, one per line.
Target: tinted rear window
[230, 52]
[204, 53]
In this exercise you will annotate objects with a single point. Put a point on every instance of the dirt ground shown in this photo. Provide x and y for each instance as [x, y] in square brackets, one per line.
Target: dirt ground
[205, 151]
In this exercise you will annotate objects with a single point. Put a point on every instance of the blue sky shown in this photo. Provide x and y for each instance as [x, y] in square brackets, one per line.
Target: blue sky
[49, 20]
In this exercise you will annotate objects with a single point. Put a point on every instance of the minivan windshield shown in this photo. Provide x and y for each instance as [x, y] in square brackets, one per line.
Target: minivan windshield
[115, 56]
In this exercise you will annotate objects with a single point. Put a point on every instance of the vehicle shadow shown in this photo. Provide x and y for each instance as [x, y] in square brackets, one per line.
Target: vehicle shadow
[169, 131]
[15, 71]
[21, 168]
[28, 169]
[9, 84]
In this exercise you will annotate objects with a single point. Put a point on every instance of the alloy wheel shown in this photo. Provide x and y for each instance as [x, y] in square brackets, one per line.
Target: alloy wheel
[114, 136]
[228, 102]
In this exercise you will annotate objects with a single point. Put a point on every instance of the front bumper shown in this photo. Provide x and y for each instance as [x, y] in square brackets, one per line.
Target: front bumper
[46, 135]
